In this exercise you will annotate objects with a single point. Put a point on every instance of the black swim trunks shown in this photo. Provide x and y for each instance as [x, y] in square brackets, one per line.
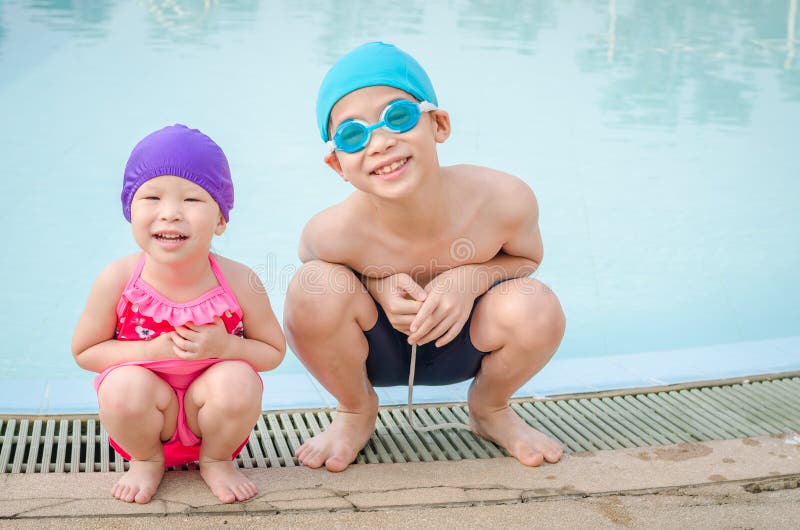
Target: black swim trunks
[390, 356]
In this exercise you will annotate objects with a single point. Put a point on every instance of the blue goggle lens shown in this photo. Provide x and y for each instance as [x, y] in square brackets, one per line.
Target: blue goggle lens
[399, 116]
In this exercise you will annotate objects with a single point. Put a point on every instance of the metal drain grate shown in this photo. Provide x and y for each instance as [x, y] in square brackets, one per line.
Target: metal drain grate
[609, 420]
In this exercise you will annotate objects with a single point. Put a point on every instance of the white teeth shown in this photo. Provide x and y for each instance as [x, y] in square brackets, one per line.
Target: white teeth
[391, 167]
[170, 236]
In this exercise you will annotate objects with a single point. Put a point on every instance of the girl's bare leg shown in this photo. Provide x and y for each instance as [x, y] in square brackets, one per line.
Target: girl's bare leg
[222, 407]
[138, 410]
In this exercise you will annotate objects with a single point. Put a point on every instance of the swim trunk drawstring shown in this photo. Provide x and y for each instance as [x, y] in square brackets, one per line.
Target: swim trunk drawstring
[409, 413]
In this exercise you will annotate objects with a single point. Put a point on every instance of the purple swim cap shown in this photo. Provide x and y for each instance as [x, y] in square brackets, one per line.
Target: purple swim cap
[183, 152]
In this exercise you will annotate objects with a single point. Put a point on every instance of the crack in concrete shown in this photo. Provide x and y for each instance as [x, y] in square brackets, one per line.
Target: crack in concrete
[568, 492]
[343, 495]
[773, 484]
[516, 496]
[58, 502]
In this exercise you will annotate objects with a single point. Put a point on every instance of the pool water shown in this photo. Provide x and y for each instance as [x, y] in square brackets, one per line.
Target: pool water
[661, 142]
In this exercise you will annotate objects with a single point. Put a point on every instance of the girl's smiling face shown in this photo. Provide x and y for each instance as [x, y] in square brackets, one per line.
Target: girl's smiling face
[173, 219]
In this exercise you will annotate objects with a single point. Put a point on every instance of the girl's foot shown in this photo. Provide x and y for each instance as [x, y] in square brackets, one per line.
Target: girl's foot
[140, 482]
[226, 481]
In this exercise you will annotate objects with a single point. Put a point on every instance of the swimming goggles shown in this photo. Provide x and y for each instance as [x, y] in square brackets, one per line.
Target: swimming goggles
[399, 116]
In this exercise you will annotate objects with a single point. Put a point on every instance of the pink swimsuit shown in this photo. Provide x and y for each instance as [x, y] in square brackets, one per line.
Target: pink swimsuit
[144, 314]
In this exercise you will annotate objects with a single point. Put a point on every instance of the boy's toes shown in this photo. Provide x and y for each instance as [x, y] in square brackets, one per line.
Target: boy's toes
[313, 459]
[553, 455]
[531, 458]
[336, 464]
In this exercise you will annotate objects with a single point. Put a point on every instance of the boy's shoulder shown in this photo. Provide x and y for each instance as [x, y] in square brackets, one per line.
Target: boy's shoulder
[500, 194]
[492, 180]
[330, 234]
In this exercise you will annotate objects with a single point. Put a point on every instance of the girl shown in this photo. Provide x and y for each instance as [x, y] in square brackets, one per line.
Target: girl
[176, 333]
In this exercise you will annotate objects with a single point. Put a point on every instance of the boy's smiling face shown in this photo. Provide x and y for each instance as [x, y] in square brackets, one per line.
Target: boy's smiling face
[392, 164]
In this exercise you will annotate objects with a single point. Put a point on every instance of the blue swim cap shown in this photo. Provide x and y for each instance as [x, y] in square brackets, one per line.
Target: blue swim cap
[371, 64]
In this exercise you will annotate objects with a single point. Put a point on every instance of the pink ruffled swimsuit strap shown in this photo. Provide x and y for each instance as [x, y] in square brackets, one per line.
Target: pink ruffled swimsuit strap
[137, 271]
[222, 281]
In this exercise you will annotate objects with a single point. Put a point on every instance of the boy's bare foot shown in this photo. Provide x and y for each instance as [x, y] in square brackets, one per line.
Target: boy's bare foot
[226, 481]
[140, 482]
[519, 439]
[338, 446]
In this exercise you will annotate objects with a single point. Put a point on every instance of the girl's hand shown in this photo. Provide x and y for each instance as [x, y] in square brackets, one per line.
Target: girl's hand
[208, 341]
[400, 297]
[446, 309]
[161, 347]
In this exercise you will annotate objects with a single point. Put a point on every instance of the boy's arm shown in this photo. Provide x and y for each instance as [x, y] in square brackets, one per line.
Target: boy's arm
[519, 256]
[522, 252]
[328, 237]
[313, 238]
[305, 249]
[93, 343]
[322, 239]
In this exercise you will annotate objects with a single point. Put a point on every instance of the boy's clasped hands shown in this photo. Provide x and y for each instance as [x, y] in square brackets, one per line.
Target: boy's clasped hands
[436, 312]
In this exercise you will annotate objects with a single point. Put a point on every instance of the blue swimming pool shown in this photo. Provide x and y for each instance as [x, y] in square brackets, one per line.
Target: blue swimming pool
[661, 141]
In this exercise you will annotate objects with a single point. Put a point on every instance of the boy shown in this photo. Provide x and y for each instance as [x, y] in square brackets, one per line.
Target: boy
[417, 254]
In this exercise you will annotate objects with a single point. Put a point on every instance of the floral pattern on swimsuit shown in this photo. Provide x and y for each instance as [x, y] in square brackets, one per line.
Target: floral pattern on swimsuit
[133, 325]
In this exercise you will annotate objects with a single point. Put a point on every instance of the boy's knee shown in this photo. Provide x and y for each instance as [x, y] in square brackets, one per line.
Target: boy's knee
[319, 293]
[533, 313]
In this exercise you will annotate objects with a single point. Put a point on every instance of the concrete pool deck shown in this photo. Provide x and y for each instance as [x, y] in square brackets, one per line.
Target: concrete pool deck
[740, 483]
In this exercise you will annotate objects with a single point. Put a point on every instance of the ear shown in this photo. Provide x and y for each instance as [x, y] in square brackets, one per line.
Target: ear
[441, 121]
[222, 224]
[332, 159]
